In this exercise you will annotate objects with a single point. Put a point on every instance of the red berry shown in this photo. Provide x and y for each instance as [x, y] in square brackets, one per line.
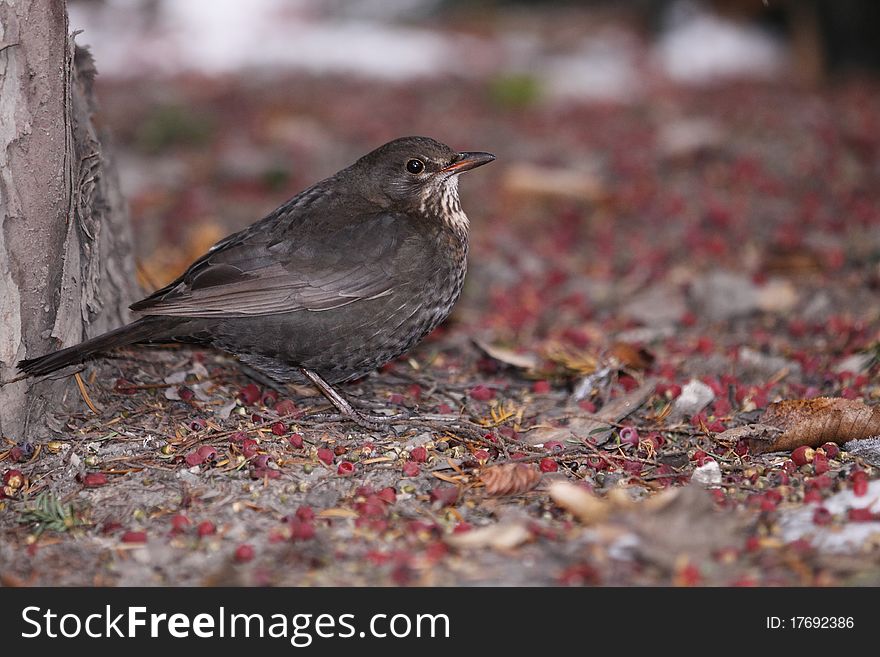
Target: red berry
[194, 458]
[860, 515]
[93, 479]
[179, 523]
[554, 446]
[822, 516]
[207, 452]
[860, 487]
[296, 441]
[411, 469]
[134, 537]
[345, 468]
[326, 456]
[387, 495]
[541, 387]
[244, 553]
[206, 528]
[482, 393]
[629, 436]
[831, 449]
[305, 513]
[250, 394]
[419, 455]
[803, 455]
[279, 428]
[812, 496]
[820, 463]
[14, 478]
[548, 465]
[482, 455]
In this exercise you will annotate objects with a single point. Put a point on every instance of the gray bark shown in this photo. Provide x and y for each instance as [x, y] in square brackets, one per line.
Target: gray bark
[66, 267]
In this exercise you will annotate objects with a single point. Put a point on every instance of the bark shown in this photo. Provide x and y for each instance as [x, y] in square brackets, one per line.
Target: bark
[66, 266]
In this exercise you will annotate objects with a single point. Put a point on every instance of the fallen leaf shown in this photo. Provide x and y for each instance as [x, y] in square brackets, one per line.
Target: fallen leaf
[632, 356]
[597, 428]
[585, 506]
[500, 536]
[510, 479]
[526, 361]
[812, 422]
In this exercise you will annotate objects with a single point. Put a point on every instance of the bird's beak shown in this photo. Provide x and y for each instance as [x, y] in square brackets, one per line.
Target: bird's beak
[467, 161]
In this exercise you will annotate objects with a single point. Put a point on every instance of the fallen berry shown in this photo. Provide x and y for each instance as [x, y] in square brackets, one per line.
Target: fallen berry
[387, 495]
[820, 463]
[411, 469]
[179, 523]
[206, 528]
[419, 455]
[548, 465]
[326, 456]
[14, 479]
[345, 468]
[296, 441]
[482, 393]
[279, 428]
[822, 516]
[541, 387]
[244, 553]
[94, 479]
[803, 455]
[134, 537]
[250, 394]
[831, 450]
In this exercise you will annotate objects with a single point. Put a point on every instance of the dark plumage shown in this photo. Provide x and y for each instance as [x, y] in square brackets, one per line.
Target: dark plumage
[343, 277]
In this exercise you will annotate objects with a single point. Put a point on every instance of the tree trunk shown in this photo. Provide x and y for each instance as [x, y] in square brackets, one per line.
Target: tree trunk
[66, 268]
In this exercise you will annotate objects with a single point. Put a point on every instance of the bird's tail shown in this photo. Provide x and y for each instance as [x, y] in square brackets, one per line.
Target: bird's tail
[139, 330]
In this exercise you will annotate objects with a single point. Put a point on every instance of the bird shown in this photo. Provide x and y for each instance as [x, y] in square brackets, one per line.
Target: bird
[343, 277]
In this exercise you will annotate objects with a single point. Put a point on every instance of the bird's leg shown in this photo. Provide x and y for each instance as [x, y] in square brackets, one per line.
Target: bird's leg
[373, 422]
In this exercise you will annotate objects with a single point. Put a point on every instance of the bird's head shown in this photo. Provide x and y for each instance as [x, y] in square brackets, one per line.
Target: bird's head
[417, 174]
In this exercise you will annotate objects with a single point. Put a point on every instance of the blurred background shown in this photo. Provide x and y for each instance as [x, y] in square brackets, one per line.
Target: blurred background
[641, 145]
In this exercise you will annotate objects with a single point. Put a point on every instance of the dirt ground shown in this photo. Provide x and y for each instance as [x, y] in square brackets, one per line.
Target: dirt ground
[643, 277]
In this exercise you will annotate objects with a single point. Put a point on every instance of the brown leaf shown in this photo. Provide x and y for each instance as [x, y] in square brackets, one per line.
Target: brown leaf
[596, 428]
[500, 536]
[581, 503]
[510, 479]
[813, 422]
[632, 356]
[527, 361]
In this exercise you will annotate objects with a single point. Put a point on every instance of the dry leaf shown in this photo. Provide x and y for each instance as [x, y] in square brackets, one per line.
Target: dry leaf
[596, 428]
[585, 506]
[527, 361]
[500, 536]
[510, 479]
[631, 356]
[812, 422]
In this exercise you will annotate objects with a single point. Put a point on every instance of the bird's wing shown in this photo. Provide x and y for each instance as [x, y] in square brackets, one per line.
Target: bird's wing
[280, 267]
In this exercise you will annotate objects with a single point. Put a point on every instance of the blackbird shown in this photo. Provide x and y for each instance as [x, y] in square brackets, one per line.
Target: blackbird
[343, 277]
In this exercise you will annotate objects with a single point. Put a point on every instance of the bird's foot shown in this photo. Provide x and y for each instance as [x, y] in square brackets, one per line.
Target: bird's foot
[365, 420]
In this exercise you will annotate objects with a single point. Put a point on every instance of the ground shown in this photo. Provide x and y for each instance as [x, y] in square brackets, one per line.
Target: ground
[719, 240]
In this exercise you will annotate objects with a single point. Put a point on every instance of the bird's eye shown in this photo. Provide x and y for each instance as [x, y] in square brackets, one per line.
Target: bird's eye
[415, 167]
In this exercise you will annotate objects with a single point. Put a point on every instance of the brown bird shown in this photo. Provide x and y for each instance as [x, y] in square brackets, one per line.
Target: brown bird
[343, 277]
